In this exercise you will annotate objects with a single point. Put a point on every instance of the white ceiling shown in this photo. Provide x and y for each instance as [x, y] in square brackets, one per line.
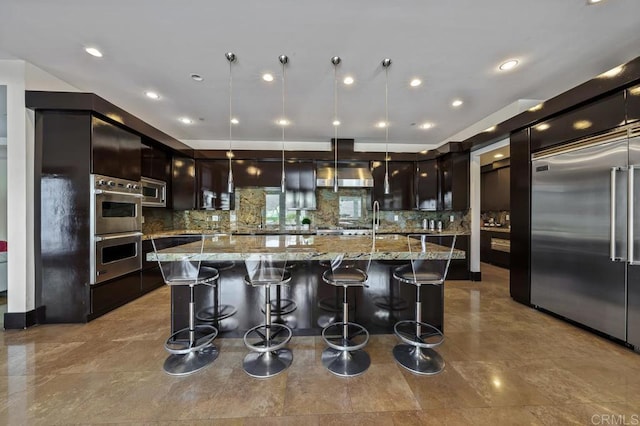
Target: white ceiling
[454, 46]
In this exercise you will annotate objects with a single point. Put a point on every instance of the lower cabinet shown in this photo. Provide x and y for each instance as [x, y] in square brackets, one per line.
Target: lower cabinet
[111, 294]
[495, 248]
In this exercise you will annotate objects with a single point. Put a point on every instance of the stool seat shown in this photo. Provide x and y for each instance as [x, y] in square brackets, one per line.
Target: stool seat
[205, 276]
[406, 275]
[269, 276]
[220, 265]
[345, 277]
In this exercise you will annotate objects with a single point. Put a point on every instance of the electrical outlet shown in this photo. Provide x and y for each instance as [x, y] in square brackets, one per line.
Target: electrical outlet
[451, 218]
[507, 217]
[143, 219]
[395, 217]
[215, 217]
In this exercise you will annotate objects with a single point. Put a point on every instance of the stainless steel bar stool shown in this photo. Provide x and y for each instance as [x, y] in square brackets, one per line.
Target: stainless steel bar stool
[345, 355]
[191, 348]
[429, 265]
[267, 341]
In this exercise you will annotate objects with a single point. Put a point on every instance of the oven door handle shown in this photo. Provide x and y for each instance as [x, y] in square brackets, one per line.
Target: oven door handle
[118, 236]
[102, 191]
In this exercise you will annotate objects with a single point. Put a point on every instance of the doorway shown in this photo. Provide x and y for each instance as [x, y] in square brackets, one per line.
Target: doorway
[3, 203]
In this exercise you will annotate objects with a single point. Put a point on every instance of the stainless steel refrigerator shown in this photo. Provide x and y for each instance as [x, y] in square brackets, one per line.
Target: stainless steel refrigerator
[585, 229]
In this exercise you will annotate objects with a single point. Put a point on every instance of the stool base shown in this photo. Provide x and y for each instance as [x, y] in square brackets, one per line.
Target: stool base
[267, 364]
[346, 363]
[182, 365]
[422, 361]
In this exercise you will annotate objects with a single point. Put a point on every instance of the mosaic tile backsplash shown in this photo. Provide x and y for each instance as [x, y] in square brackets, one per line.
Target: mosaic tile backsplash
[250, 207]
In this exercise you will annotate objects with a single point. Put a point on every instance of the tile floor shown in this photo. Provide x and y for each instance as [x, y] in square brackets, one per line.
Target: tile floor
[506, 364]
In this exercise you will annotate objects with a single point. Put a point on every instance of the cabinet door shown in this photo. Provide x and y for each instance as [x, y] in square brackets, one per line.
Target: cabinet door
[115, 151]
[460, 181]
[212, 191]
[490, 188]
[504, 184]
[633, 104]
[183, 183]
[446, 182]
[401, 181]
[156, 163]
[245, 173]
[427, 185]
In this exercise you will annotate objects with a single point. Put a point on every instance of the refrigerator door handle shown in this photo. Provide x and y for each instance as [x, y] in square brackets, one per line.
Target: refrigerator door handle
[630, 222]
[612, 222]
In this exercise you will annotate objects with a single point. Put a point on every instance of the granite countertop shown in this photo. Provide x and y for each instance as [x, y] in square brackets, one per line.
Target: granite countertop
[503, 229]
[311, 247]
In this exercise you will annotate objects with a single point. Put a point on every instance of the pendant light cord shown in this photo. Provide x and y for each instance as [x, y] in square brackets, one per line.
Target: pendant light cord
[284, 79]
[386, 120]
[335, 126]
[230, 113]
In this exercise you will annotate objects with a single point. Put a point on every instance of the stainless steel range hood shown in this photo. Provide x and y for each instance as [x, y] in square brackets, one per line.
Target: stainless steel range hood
[348, 177]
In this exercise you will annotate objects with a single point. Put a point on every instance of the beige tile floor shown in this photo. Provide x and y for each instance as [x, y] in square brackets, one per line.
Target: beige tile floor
[506, 364]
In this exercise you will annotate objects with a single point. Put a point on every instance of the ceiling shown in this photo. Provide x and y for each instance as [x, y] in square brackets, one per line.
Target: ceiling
[495, 155]
[455, 47]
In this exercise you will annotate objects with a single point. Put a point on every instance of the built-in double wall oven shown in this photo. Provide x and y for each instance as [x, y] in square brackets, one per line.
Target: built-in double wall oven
[116, 220]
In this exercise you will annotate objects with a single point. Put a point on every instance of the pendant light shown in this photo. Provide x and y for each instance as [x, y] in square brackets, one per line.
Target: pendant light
[231, 57]
[284, 59]
[336, 122]
[386, 63]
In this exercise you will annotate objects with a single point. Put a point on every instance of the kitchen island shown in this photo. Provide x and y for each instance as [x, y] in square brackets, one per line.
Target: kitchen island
[313, 298]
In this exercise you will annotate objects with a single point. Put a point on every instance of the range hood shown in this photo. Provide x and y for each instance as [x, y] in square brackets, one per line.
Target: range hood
[348, 177]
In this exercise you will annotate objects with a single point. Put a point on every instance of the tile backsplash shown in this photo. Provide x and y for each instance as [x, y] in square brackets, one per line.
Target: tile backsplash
[502, 218]
[250, 207]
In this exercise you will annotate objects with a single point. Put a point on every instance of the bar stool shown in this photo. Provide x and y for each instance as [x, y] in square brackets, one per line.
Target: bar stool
[218, 311]
[345, 356]
[429, 263]
[191, 348]
[267, 341]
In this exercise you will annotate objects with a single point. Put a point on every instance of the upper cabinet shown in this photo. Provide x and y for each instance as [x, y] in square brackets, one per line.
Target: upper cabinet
[300, 185]
[595, 117]
[427, 185]
[453, 173]
[156, 163]
[114, 151]
[494, 191]
[401, 182]
[248, 173]
[183, 183]
[212, 185]
[633, 104]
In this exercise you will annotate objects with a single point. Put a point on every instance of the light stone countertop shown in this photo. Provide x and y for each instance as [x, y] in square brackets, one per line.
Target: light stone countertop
[308, 247]
[503, 229]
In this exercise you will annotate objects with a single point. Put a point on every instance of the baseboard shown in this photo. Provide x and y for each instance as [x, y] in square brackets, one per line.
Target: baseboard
[22, 320]
[475, 276]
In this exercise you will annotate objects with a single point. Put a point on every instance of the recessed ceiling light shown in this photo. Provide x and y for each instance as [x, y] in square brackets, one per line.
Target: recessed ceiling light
[536, 107]
[267, 77]
[498, 156]
[542, 127]
[635, 91]
[508, 65]
[415, 82]
[490, 129]
[381, 124]
[234, 121]
[197, 77]
[283, 122]
[348, 80]
[152, 95]
[456, 103]
[582, 124]
[336, 122]
[426, 126]
[590, 2]
[93, 52]
[423, 151]
[186, 120]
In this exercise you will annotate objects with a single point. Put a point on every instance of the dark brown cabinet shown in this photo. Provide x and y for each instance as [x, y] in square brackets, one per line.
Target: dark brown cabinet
[156, 163]
[633, 104]
[494, 248]
[252, 173]
[401, 181]
[114, 151]
[212, 185]
[427, 185]
[453, 171]
[300, 185]
[183, 183]
[494, 190]
[596, 117]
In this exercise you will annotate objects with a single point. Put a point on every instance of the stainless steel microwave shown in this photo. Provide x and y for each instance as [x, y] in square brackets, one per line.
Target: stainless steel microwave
[154, 192]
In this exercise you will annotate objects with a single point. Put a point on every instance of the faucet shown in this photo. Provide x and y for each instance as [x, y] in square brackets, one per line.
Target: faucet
[375, 219]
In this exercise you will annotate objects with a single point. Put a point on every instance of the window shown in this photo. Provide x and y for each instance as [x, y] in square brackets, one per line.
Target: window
[350, 207]
[272, 209]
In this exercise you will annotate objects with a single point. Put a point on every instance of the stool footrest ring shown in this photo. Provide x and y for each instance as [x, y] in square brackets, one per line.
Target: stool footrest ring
[357, 336]
[208, 315]
[256, 337]
[429, 336]
[178, 343]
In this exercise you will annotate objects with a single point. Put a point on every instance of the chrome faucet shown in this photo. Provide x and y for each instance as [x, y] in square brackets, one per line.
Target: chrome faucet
[375, 218]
